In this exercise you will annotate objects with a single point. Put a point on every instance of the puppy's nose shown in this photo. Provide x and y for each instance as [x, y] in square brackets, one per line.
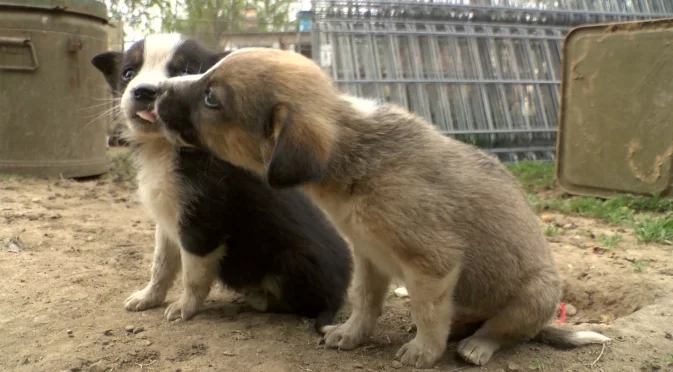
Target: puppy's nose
[145, 93]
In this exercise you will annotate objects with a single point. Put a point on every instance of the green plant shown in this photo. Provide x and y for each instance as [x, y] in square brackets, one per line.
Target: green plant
[534, 176]
[551, 231]
[610, 242]
[537, 364]
[639, 266]
[655, 229]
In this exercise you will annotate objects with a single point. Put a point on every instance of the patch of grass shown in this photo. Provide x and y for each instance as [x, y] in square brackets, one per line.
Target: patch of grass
[655, 229]
[654, 203]
[669, 360]
[11, 177]
[534, 176]
[545, 204]
[617, 211]
[639, 266]
[304, 324]
[551, 231]
[537, 364]
[610, 242]
[611, 210]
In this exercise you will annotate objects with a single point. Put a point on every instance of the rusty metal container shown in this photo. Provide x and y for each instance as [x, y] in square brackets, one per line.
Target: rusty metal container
[49, 90]
[615, 130]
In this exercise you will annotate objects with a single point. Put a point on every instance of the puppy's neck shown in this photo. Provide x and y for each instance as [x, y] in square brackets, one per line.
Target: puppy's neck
[370, 134]
[150, 152]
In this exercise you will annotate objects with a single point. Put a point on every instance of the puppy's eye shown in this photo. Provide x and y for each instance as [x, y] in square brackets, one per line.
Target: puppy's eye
[128, 74]
[210, 99]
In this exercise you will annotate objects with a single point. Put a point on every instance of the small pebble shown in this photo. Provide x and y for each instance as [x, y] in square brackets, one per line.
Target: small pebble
[401, 292]
[69, 332]
[546, 218]
[107, 332]
[137, 330]
[669, 336]
[568, 226]
[129, 328]
[14, 246]
[570, 310]
[397, 365]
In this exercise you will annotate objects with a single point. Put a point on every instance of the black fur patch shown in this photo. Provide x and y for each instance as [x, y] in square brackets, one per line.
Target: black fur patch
[267, 232]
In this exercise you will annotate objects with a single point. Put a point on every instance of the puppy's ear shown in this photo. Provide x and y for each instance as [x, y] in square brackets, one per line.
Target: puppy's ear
[109, 64]
[300, 155]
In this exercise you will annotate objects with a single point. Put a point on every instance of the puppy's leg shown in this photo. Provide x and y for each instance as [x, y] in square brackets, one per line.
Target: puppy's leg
[198, 274]
[165, 267]
[370, 287]
[520, 320]
[431, 311]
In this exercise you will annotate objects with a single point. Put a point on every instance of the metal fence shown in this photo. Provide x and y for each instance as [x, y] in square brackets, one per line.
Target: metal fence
[484, 71]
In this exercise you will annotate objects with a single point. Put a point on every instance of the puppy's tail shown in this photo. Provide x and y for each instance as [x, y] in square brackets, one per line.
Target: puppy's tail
[323, 321]
[565, 339]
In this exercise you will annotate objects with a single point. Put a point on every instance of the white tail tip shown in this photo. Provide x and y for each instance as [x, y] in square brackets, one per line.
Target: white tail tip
[588, 337]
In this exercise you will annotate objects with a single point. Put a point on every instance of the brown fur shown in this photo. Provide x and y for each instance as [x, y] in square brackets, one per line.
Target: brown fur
[442, 215]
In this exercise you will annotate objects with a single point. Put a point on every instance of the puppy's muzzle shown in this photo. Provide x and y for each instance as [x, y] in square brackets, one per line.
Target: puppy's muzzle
[145, 93]
[174, 116]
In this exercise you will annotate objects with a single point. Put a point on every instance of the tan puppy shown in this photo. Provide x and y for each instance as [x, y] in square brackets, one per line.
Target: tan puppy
[442, 215]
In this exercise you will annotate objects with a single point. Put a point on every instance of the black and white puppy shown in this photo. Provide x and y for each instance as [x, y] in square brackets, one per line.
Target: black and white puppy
[216, 220]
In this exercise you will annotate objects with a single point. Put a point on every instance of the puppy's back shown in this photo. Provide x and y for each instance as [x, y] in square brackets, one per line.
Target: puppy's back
[456, 196]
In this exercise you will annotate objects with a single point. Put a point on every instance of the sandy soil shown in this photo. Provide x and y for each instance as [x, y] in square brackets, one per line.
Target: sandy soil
[72, 251]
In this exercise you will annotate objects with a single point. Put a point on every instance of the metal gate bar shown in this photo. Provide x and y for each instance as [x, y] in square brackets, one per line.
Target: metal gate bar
[484, 71]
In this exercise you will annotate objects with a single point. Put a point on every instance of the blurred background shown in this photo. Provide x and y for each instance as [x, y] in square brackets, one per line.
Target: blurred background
[484, 71]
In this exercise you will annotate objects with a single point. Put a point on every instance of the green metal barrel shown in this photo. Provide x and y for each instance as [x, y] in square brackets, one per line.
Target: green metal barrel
[50, 95]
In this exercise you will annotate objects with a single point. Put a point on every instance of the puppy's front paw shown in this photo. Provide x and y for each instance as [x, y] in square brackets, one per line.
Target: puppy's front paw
[419, 355]
[477, 350]
[343, 337]
[185, 308]
[144, 299]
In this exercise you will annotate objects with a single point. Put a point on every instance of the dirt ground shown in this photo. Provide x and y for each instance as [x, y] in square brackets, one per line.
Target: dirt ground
[72, 251]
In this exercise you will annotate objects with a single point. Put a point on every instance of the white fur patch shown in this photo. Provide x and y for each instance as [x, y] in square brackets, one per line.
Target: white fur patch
[158, 188]
[158, 50]
[588, 337]
[364, 106]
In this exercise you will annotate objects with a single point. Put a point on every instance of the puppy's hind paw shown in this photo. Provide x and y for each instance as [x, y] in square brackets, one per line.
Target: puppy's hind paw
[477, 350]
[143, 300]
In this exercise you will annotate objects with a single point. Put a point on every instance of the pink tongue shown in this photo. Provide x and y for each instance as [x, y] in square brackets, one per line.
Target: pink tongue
[150, 116]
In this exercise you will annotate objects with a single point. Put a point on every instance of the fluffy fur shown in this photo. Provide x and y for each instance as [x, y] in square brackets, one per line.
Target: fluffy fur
[442, 215]
[215, 220]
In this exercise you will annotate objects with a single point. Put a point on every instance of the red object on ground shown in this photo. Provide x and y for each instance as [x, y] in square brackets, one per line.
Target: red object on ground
[562, 318]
